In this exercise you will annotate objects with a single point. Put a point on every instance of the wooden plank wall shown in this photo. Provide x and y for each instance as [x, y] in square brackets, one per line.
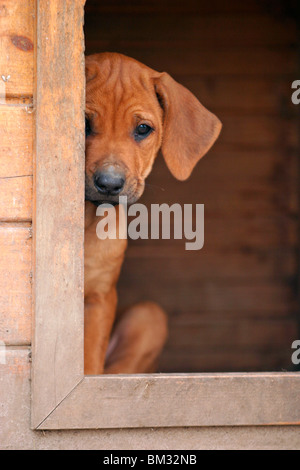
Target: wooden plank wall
[232, 306]
[17, 24]
[17, 20]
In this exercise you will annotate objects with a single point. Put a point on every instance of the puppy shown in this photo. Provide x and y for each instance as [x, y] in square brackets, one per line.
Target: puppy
[132, 112]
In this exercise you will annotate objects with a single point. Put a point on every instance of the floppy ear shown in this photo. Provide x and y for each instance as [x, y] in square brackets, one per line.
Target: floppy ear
[189, 129]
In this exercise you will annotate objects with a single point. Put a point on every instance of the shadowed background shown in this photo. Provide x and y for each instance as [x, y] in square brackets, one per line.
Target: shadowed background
[232, 306]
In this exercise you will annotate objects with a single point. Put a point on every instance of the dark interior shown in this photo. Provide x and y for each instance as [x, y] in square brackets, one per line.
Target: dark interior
[232, 306]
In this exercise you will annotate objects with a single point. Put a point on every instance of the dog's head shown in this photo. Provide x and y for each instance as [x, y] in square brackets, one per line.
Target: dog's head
[133, 111]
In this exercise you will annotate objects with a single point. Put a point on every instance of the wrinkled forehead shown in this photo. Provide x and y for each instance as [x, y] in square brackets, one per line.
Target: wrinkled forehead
[118, 82]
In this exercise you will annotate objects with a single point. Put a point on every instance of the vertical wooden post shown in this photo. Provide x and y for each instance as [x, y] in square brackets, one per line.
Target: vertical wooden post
[58, 203]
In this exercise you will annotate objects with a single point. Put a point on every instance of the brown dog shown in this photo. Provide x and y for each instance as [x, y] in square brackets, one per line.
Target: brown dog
[132, 111]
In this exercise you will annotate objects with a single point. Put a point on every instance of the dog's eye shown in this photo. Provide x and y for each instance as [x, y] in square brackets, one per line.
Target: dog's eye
[88, 127]
[142, 131]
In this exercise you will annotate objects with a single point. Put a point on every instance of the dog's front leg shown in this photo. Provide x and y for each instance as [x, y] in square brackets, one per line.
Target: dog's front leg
[99, 315]
[102, 264]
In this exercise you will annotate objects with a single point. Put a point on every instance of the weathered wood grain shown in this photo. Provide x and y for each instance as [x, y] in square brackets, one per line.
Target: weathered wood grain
[204, 399]
[17, 21]
[59, 204]
[16, 137]
[14, 374]
[15, 433]
[15, 284]
[16, 198]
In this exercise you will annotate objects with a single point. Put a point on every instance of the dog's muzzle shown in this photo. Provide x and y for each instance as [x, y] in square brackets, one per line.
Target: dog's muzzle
[109, 181]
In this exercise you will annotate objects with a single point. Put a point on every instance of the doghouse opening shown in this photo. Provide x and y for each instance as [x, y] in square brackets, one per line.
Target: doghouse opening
[233, 305]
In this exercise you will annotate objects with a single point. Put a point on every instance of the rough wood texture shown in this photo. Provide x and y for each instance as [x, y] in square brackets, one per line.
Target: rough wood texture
[15, 432]
[15, 284]
[16, 198]
[204, 399]
[17, 21]
[59, 207]
[16, 133]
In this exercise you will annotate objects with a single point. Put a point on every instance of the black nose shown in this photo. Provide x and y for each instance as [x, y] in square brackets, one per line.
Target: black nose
[109, 182]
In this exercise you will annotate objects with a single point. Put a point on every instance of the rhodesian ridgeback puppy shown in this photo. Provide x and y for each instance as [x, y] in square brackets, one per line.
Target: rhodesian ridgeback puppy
[132, 112]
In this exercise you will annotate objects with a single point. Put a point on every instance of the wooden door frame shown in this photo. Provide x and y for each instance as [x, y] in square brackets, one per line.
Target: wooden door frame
[62, 397]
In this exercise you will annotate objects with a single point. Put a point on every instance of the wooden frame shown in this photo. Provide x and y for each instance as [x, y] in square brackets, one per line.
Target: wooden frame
[62, 397]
